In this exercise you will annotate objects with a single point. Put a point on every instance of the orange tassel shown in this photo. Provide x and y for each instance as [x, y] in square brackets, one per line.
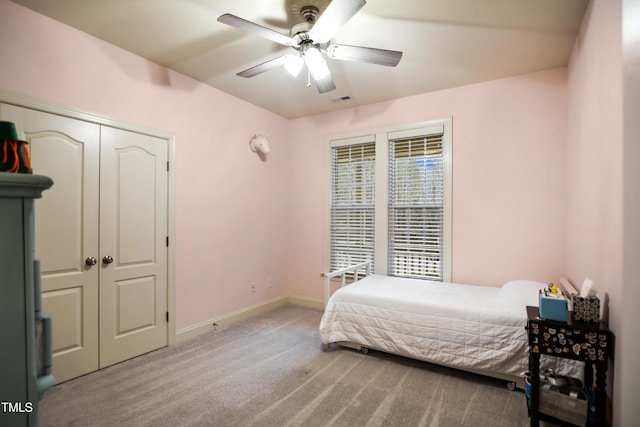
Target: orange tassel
[16, 159]
[13, 146]
[27, 157]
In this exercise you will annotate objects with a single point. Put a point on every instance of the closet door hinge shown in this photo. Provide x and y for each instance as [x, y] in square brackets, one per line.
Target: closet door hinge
[167, 166]
[167, 241]
[167, 316]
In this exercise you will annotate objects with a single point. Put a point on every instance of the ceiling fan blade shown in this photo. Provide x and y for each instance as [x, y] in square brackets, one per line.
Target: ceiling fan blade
[326, 84]
[338, 13]
[264, 32]
[265, 66]
[390, 58]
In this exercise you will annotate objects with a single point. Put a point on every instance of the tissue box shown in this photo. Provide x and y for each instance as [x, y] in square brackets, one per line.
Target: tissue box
[586, 309]
[553, 307]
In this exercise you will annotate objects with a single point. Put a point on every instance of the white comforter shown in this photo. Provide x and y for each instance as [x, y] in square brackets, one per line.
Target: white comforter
[465, 326]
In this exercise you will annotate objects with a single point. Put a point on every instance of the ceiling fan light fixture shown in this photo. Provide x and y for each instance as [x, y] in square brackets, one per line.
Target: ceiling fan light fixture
[315, 62]
[293, 65]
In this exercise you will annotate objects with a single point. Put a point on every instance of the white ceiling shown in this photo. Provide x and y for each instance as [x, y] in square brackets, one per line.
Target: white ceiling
[446, 43]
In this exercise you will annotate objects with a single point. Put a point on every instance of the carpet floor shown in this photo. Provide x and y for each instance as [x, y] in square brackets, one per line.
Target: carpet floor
[270, 371]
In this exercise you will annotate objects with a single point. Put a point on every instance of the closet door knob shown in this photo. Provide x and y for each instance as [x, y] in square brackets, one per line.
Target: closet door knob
[108, 259]
[91, 261]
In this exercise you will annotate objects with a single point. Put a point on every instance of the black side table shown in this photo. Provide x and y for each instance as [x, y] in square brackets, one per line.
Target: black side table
[591, 343]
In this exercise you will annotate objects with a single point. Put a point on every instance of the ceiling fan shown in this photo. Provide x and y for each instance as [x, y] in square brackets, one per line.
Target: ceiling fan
[310, 39]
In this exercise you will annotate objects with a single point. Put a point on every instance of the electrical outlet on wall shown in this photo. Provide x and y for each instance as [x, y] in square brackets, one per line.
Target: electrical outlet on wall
[253, 286]
[269, 282]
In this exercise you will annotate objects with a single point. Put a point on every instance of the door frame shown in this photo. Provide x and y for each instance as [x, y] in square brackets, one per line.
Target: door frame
[74, 113]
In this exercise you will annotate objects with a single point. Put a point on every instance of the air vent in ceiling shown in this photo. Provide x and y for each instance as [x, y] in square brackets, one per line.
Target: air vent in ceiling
[342, 98]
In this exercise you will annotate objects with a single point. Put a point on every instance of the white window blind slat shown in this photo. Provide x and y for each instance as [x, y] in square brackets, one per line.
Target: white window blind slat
[423, 130]
[363, 139]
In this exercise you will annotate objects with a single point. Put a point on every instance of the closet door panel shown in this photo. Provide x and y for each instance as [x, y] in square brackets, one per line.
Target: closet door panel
[133, 223]
[67, 150]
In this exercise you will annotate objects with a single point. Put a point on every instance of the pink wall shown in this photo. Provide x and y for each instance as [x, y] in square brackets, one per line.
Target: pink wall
[595, 200]
[230, 226]
[508, 178]
[594, 149]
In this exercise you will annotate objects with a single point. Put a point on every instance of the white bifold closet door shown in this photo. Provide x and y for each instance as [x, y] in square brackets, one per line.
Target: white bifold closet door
[101, 238]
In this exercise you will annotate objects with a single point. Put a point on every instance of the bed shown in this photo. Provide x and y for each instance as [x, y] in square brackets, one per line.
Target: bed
[474, 328]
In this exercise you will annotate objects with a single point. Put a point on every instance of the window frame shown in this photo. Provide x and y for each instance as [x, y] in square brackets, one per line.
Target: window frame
[382, 137]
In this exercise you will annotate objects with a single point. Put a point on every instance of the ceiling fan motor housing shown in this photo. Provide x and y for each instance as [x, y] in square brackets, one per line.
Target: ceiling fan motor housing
[309, 14]
[300, 31]
[302, 37]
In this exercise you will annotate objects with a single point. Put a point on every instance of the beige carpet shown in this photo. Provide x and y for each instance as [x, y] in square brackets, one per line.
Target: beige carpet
[270, 371]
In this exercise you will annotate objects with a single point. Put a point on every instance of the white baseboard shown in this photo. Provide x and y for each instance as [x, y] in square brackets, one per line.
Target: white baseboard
[314, 303]
[194, 331]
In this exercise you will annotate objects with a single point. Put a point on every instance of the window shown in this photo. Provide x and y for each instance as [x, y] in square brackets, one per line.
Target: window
[416, 201]
[352, 204]
[390, 201]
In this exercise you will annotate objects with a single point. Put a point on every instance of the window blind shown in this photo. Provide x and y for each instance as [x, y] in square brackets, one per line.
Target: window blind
[352, 204]
[416, 207]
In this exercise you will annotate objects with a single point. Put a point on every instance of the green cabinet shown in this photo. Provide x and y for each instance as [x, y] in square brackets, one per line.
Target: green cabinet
[25, 331]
